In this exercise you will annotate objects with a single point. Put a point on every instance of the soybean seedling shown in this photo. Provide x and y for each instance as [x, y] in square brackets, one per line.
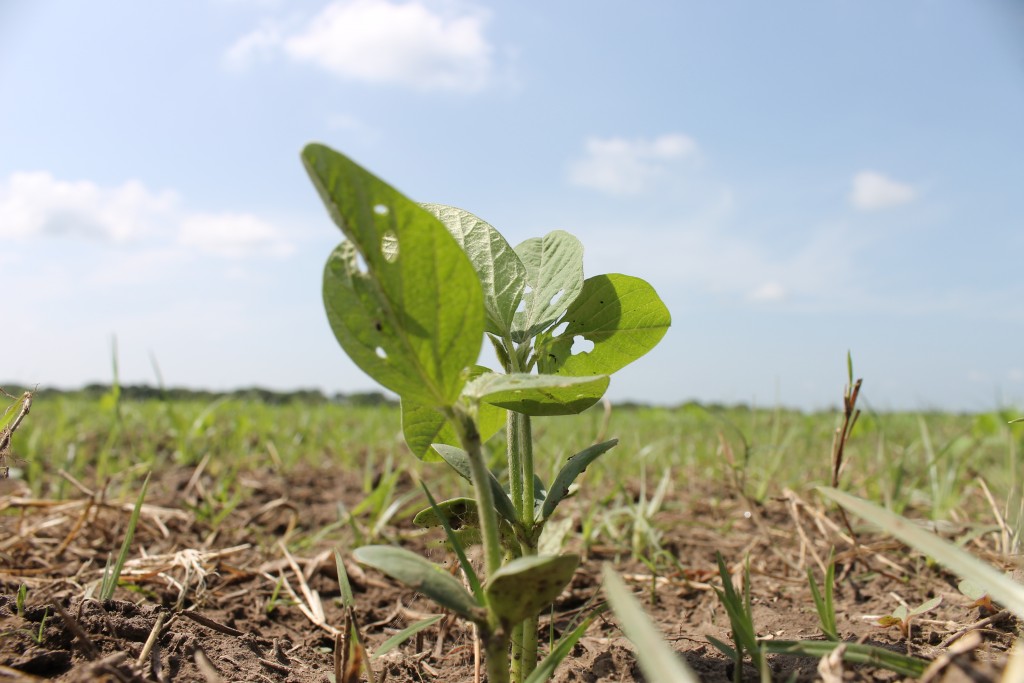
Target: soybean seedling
[410, 296]
[903, 615]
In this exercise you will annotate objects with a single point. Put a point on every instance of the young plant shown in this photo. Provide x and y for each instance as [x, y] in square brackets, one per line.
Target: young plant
[410, 295]
[112, 573]
[902, 616]
[824, 604]
[741, 619]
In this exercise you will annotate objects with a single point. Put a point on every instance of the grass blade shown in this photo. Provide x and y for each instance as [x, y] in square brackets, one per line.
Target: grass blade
[656, 658]
[855, 653]
[546, 669]
[111, 577]
[1002, 588]
[404, 635]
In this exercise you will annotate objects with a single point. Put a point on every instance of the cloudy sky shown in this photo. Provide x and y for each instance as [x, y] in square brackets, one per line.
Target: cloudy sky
[796, 178]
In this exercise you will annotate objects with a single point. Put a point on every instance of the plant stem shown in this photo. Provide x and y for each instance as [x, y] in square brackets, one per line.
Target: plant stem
[515, 462]
[469, 436]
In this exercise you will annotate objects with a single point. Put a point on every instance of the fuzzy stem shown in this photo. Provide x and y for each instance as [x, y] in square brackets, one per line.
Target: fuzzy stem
[469, 436]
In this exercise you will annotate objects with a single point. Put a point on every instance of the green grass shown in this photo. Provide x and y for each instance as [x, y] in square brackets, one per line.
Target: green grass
[925, 462]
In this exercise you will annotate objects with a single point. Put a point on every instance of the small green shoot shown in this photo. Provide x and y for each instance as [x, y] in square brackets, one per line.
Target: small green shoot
[824, 604]
[19, 600]
[656, 658]
[38, 636]
[902, 616]
[741, 619]
[111, 574]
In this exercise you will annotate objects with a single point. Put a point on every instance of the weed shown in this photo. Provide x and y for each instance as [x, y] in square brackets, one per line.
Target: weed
[824, 604]
[112, 573]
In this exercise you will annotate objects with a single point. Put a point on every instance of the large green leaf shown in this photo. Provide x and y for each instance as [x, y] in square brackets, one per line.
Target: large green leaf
[620, 314]
[502, 275]
[401, 296]
[524, 586]
[423, 425]
[423, 576]
[572, 469]
[554, 274]
[999, 586]
[656, 658]
[537, 394]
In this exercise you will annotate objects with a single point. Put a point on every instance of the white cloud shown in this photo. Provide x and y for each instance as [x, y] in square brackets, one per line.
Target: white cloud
[628, 167]
[769, 291]
[872, 191]
[258, 45]
[378, 41]
[35, 204]
[232, 235]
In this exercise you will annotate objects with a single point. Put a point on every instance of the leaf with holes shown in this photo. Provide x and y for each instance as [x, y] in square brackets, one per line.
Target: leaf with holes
[458, 512]
[554, 274]
[502, 275]
[423, 425]
[538, 394]
[423, 576]
[525, 585]
[401, 296]
[623, 317]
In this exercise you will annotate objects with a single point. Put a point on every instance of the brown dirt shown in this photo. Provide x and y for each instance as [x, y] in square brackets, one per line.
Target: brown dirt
[213, 587]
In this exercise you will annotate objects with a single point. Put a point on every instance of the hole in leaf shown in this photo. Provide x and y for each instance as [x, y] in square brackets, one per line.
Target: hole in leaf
[581, 345]
[380, 210]
[557, 332]
[381, 353]
[389, 246]
[360, 263]
[557, 296]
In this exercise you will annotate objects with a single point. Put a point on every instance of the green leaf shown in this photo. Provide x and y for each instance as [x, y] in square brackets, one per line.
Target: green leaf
[554, 274]
[455, 541]
[423, 425]
[404, 635]
[457, 512]
[423, 576]
[546, 669]
[502, 275]
[537, 394]
[401, 296]
[656, 658]
[111, 575]
[524, 586]
[570, 470]
[855, 653]
[458, 459]
[347, 600]
[999, 586]
[622, 315]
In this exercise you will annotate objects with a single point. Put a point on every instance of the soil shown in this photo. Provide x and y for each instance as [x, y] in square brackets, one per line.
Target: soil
[226, 591]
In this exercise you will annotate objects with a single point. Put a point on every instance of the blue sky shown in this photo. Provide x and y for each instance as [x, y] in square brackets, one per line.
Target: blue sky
[795, 178]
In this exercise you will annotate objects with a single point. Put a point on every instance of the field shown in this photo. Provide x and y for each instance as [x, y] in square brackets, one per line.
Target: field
[232, 563]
